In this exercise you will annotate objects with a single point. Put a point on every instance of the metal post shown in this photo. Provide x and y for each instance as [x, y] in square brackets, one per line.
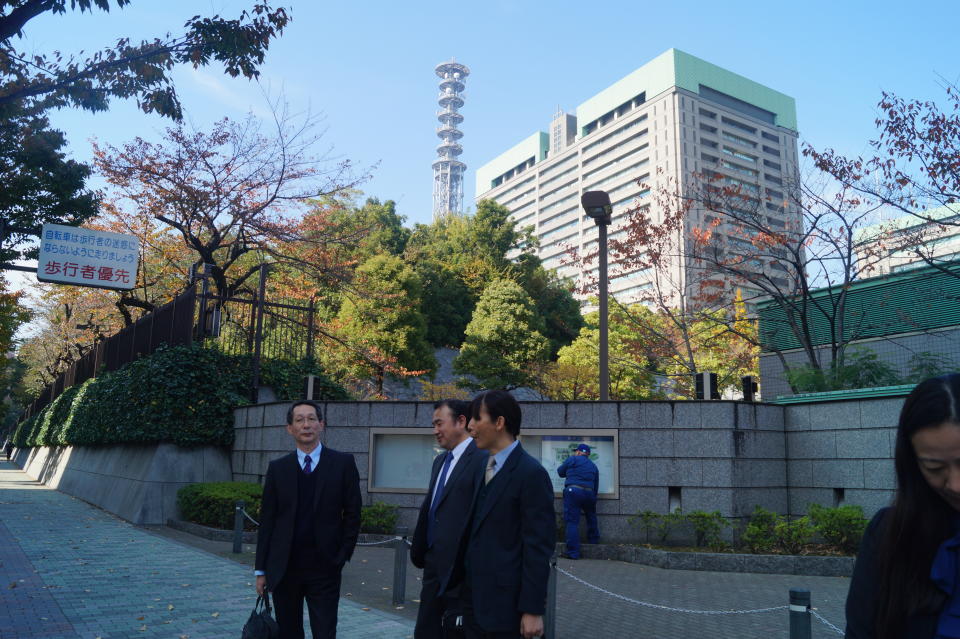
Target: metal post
[400, 566]
[238, 527]
[550, 617]
[204, 291]
[800, 613]
[258, 337]
[310, 318]
[604, 349]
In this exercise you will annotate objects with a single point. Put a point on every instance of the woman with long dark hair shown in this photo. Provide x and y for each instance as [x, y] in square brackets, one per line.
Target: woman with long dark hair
[906, 582]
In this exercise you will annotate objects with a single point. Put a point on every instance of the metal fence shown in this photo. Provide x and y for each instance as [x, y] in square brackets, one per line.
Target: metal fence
[235, 326]
[172, 323]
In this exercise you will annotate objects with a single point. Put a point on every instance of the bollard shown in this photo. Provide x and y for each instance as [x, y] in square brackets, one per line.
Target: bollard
[799, 613]
[550, 616]
[400, 566]
[238, 527]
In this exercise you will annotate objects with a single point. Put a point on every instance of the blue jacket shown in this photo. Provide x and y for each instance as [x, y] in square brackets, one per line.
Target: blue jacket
[579, 470]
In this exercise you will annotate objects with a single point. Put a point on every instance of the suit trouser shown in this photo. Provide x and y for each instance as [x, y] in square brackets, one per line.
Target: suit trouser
[471, 629]
[320, 589]
[430, 614]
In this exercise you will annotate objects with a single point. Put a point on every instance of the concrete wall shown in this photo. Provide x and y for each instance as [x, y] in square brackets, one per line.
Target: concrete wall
[841, 446]
[136, 482]
[720, 455]
[725, 456]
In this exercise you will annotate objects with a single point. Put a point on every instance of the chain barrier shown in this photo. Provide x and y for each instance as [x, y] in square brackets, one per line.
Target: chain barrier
[825, 622]
[247, 515]
[668, 608]
[377, 543]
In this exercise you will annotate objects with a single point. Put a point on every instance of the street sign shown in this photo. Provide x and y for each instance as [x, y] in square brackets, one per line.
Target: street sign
[83, 257]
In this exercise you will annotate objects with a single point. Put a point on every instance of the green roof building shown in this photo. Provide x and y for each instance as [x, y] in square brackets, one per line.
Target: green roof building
[663, 124]
[902, 317]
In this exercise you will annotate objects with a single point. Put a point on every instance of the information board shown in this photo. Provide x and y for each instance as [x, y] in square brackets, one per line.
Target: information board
[83, 257]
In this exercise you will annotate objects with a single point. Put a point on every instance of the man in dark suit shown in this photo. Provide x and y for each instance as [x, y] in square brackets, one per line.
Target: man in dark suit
[512, 532]
[309, 523]
[444, 513]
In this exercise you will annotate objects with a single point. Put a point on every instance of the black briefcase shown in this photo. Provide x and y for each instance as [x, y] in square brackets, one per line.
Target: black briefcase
[261, 624]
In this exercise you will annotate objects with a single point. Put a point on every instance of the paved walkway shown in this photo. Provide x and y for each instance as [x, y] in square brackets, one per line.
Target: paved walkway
[70, 570]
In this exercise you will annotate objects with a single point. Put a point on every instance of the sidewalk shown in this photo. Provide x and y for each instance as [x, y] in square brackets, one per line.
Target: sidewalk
[68, 569]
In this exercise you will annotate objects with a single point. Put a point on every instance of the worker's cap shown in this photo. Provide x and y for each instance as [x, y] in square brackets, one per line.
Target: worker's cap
[583, 448]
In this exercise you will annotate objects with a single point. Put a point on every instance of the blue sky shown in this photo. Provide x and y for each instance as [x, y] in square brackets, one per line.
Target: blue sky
[368, 67]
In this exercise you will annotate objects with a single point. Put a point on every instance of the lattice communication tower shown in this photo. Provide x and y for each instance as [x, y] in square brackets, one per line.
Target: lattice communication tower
[447, 169]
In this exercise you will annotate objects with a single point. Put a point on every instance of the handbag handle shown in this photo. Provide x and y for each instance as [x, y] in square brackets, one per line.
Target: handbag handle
[266, 601]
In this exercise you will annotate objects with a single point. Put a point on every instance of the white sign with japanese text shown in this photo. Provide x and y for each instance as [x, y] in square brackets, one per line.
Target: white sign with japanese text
[82, 257]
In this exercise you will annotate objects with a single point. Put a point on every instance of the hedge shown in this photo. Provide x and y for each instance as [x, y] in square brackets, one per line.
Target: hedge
[181, 394]
[212, 503]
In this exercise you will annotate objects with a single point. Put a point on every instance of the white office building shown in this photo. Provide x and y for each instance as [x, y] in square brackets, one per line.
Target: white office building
[664, 124]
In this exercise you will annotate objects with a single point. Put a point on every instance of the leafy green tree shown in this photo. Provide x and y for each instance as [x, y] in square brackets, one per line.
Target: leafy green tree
[368, 230]
[447, 304]
[576, 372]
[504, 341]
[383, 330]
[37, 182]
[554, 301]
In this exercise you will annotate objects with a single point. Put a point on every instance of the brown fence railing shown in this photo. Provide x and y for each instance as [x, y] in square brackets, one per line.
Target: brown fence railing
[234, 326]
[172, 324]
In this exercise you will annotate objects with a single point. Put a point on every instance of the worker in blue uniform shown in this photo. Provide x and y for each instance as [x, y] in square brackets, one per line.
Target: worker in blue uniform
[579, 494]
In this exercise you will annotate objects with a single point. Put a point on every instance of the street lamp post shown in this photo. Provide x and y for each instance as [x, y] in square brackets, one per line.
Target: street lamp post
[596, 204]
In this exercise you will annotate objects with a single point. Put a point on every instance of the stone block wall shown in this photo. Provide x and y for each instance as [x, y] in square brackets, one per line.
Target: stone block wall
[726, 456]
[841, 452]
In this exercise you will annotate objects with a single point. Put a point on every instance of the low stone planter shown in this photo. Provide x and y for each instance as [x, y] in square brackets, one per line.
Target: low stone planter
[807, 565]
[250, 537]
[214, 534]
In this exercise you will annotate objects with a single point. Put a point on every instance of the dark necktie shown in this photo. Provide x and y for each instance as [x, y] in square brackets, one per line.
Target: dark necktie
[437, 494]
[306, 464]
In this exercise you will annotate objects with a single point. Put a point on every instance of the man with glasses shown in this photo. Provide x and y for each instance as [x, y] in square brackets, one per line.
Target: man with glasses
[309, 523]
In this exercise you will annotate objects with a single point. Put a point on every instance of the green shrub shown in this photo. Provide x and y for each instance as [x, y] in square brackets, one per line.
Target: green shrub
[793, 535]
[213, 503]
[861, 369]
[708, 527]
[842, 527]
[180, 394]
[648, 520]
[379, 518]
[759, 532]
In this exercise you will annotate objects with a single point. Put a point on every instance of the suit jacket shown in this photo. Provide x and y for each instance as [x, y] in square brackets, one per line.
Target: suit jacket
[451, 516]
[512, 537]
[336, 506]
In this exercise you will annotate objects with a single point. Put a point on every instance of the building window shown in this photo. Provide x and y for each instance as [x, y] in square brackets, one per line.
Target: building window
[708, 114]
[738, 125]
[770, 136]
[770, 150]
[771, 165]
[708, 128]
[730, 137]
[400, 459]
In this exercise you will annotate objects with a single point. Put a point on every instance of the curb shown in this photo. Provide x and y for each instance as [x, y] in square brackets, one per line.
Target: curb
[808, 566]
[249, 537]
[213, 534]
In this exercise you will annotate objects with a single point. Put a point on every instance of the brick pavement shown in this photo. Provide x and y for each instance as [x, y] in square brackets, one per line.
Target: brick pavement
[82, 573]
[86, 574]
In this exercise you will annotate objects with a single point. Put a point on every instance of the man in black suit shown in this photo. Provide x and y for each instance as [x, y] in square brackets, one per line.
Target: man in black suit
[512, 532]
[309, 523]
[444, 513]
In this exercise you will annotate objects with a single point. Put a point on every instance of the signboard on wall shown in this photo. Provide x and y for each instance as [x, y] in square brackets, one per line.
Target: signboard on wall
[554, 449]
[83, 257]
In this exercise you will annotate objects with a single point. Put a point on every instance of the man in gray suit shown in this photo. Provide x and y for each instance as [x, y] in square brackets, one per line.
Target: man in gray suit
[444, 513]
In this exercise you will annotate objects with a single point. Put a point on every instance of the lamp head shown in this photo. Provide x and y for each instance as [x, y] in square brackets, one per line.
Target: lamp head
[596, 204]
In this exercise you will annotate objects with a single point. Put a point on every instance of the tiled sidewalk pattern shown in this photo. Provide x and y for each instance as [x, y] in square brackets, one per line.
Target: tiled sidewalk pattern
[80, 572]
[99, 576]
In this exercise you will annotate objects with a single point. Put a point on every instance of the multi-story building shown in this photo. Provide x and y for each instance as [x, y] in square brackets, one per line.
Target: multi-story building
[911, 241]
[667, 123]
